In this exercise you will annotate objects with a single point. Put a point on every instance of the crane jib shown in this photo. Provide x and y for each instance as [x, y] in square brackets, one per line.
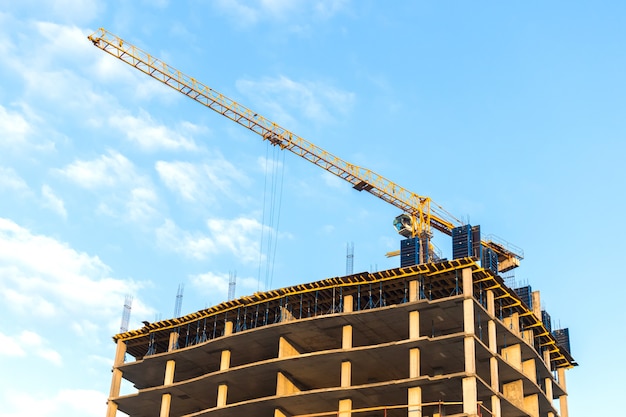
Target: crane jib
[361, 179]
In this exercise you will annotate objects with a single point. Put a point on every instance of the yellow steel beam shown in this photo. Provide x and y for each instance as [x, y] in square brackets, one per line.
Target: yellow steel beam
[425, 213]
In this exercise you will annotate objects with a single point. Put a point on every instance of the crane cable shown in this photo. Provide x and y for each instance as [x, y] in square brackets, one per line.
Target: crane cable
[271, 222]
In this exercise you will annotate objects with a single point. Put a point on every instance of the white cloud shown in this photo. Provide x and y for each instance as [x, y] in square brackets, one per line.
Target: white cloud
[329, 8]
[28, 343]
[333, 181]
[83, 402]
[106, 171]
[15, 128]
[58, 42]
[268, 165]
[21, 130]
[9, 346]
[238, 237]
[33, 342]
[60, 10]
[212, 284]
[52, 201]
[216, 285]
[122, 191]
[191, 245]
[160, 4]
[10, 180]
[247, 13]
[36, 268]
[142, 203]
[242, 14]
[204, 182]
[150, 135]
[313, 100]
[181, 177]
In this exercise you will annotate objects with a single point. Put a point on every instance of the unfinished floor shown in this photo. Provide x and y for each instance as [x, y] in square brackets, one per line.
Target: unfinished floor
[446, 338]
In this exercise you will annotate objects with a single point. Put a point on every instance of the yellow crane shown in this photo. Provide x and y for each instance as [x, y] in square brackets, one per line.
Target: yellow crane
[420, 214]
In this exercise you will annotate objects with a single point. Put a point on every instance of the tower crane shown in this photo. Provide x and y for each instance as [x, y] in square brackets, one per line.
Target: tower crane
[420, 215]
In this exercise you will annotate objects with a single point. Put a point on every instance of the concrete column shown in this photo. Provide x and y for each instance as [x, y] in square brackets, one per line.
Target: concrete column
[493, 336]
[536, 300]
[468, 316]
[468, 283]
[116, 383]
[470, 396]
[166, 402]
[169, 372]
[563, 398]
[561, 378]
[546, 358]
[222, 389]
[496, 410]
[495, 378]
[491, 303]
[285, 385]
[512, 323]
[345, 408]
[514, 392]
[549, 391]
[225, 360]
[414, 325]
[563, 406]
[529, 369]
[286, 315]
[222, 392]
[111, 409]
[468, 344]
[414, 363]
[346, 340]
[513, 355]
[348, 304]
[415, 402]
[346, 374]
[228, 328]
[470, 355]
[413, 290]
[116, 378]
[173, 341]
[120, 351]
[286, 349]
[531, 405]
[528, 336]
[166, 399]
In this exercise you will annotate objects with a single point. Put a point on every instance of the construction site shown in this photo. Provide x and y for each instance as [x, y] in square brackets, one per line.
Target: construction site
[435, 336]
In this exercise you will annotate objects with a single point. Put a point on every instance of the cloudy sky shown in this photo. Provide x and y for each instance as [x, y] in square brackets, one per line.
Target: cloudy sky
[510, 116]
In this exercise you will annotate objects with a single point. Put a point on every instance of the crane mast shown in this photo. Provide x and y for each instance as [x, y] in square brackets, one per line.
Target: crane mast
[421, 213]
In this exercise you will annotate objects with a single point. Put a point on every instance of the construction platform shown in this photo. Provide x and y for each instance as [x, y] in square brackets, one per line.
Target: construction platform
[445, 338]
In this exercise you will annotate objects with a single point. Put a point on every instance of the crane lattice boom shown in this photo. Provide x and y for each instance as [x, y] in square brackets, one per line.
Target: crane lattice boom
[423, 211]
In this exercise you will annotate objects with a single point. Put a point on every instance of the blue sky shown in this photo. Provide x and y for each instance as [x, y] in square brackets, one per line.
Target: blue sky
[507, 114]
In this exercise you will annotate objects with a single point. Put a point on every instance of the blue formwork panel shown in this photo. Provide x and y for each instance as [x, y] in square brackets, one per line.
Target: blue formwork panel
[546, 320]
[562, 338]
[466, 242]
[409, 252]
[489, 260]
[525, 294]
[461, 241]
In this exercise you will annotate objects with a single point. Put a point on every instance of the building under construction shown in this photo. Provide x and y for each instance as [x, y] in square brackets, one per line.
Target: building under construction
[433, 337]
[442, 338]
